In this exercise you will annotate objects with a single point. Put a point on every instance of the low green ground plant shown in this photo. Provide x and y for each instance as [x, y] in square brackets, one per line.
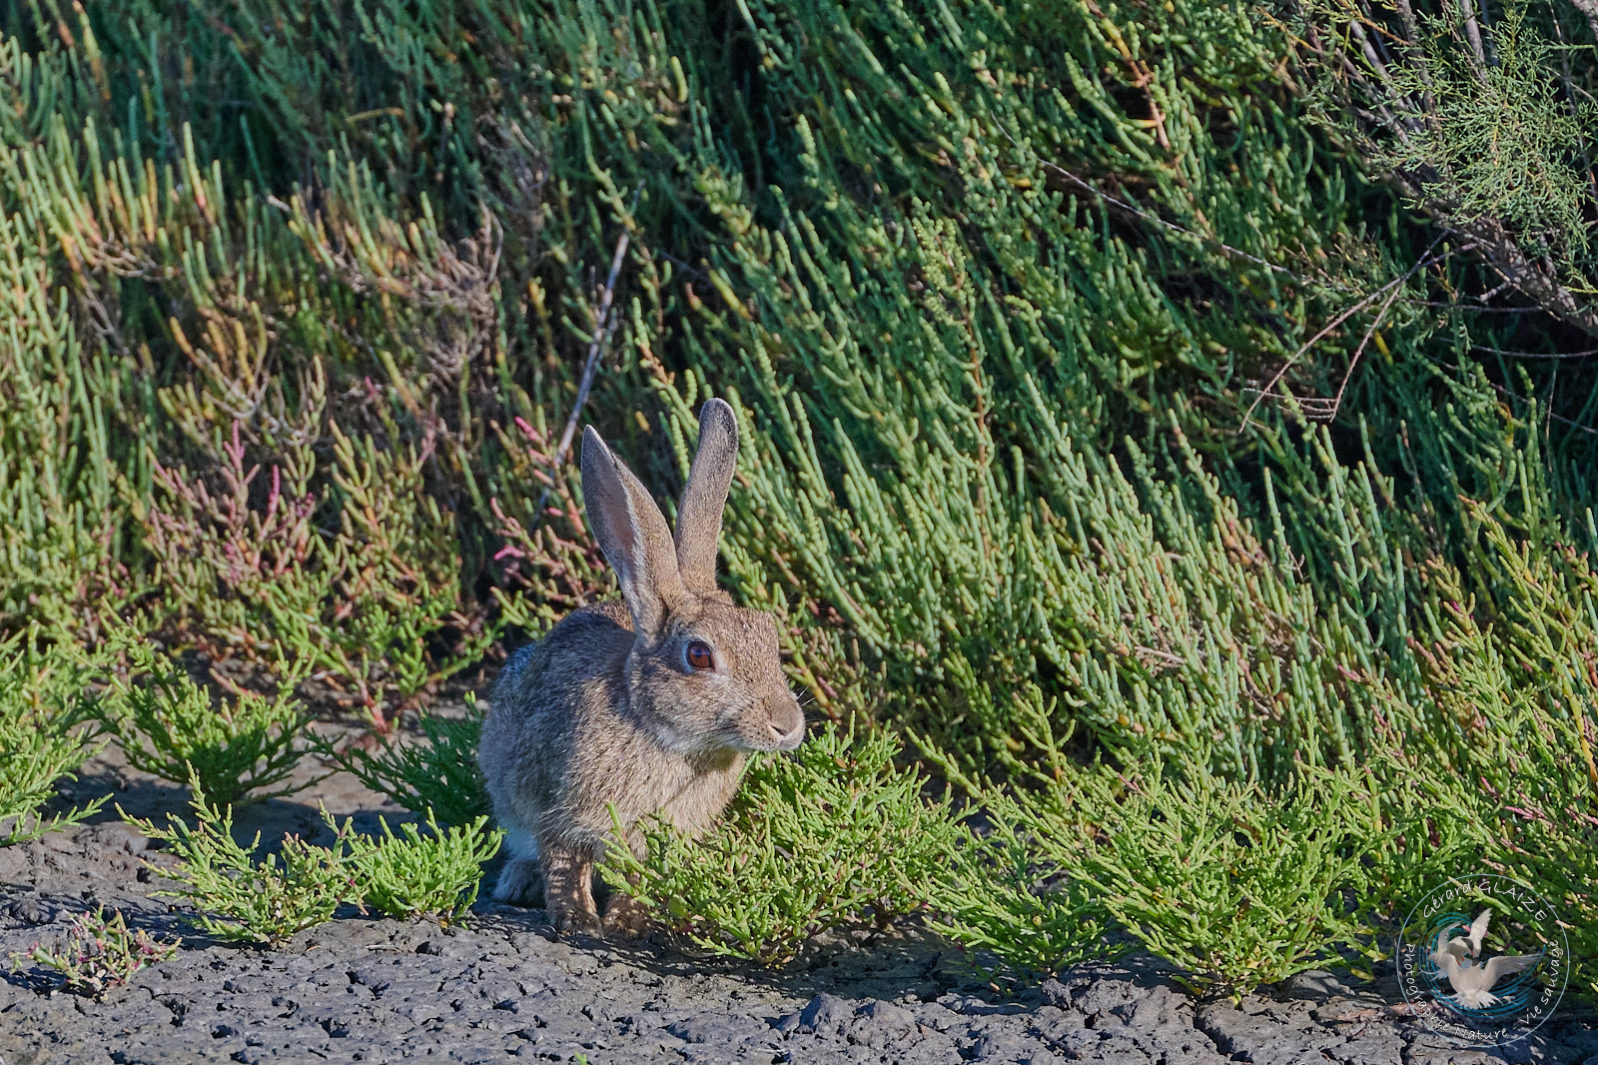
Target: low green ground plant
[234, 746]
[834, 835]
[239, 898]
[1235, 884]
[1016, 917]
[434, 873]
[266, 901]
[1506, 774]
[45, 735]
[434, 774]
[99, 952]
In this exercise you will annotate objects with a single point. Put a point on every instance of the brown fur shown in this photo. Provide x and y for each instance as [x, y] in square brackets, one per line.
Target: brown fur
[606, 710]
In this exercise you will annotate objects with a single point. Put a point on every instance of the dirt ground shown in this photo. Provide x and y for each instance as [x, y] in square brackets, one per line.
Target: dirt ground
[370, 989]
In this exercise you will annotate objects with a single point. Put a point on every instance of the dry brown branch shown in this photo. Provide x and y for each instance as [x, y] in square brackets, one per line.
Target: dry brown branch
[1381, 315]
[1586, 353]
[1236, 253]
[603, 327]
[1503, 256]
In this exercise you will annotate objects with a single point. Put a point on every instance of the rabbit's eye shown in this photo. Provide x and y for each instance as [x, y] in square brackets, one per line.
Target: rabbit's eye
[699, 656]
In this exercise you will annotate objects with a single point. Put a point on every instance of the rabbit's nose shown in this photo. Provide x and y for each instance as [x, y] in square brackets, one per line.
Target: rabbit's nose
[787, 737]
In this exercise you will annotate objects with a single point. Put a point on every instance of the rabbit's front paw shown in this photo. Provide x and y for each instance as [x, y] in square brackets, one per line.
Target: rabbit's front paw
[569, 893]
[574, 919]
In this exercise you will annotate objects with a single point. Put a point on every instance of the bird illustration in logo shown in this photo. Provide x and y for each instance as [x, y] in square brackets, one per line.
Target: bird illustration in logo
[1473, 980]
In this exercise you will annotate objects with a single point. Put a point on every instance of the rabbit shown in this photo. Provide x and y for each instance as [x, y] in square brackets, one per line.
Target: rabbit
[650, 703]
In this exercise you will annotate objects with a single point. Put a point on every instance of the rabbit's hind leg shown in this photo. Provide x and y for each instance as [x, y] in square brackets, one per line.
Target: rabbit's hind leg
[521, 882]
[569, 891]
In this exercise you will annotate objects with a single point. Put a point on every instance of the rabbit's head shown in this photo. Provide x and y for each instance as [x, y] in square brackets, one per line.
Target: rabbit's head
[704, 675]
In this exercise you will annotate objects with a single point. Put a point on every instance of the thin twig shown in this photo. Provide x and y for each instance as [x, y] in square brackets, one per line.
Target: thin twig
[1472, 308]
[1587, 353]
[1415, 118]
[596, 348]
[1406, 16]
[1157, 220]
[1473, 35]
[603, 327]
[1337, 400]
[1417, 57]
[1397, 283]
[1388, 119]
[1368, 49]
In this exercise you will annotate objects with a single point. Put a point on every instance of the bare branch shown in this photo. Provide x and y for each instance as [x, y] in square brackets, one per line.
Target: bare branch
[1236, 253]
[603, 327]
[1473, 34]
[1500, 252]
[1337, 400]
[1584, 354]
[1394, 286]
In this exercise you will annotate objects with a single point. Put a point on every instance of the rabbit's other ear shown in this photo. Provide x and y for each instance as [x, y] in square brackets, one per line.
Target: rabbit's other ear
[704, 497]
[633, 534]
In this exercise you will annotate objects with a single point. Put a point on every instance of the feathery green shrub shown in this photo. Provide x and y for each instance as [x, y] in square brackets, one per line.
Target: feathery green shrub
[1239, 884]
[267, 901]
[832, 835]
[46, 733]
[435, 773]
[416, 875]
[238, 898]
[171, 727]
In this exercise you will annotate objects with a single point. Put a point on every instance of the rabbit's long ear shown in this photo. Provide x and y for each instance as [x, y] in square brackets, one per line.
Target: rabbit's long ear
[633, 534]
[704, 497]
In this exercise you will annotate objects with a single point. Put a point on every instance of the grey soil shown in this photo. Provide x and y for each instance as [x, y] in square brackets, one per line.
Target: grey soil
[367, 989]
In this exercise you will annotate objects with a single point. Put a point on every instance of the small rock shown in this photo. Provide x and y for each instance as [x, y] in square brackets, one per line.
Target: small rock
[720, 1030]
[120, 836]
[1244, 1037]
[826, 1014]
[994, 1046]
[1056, 993]
[30, 911]
[1315, 984]
[879, 1024]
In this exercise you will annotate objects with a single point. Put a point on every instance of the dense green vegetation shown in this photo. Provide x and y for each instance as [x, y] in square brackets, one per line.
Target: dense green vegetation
[243, 899]
[1174, 422]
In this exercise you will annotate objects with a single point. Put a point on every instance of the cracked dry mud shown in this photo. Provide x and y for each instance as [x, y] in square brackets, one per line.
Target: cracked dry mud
[369, 989]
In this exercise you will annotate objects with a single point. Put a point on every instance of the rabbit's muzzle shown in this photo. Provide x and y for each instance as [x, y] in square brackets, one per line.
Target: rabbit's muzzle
[786, 723]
